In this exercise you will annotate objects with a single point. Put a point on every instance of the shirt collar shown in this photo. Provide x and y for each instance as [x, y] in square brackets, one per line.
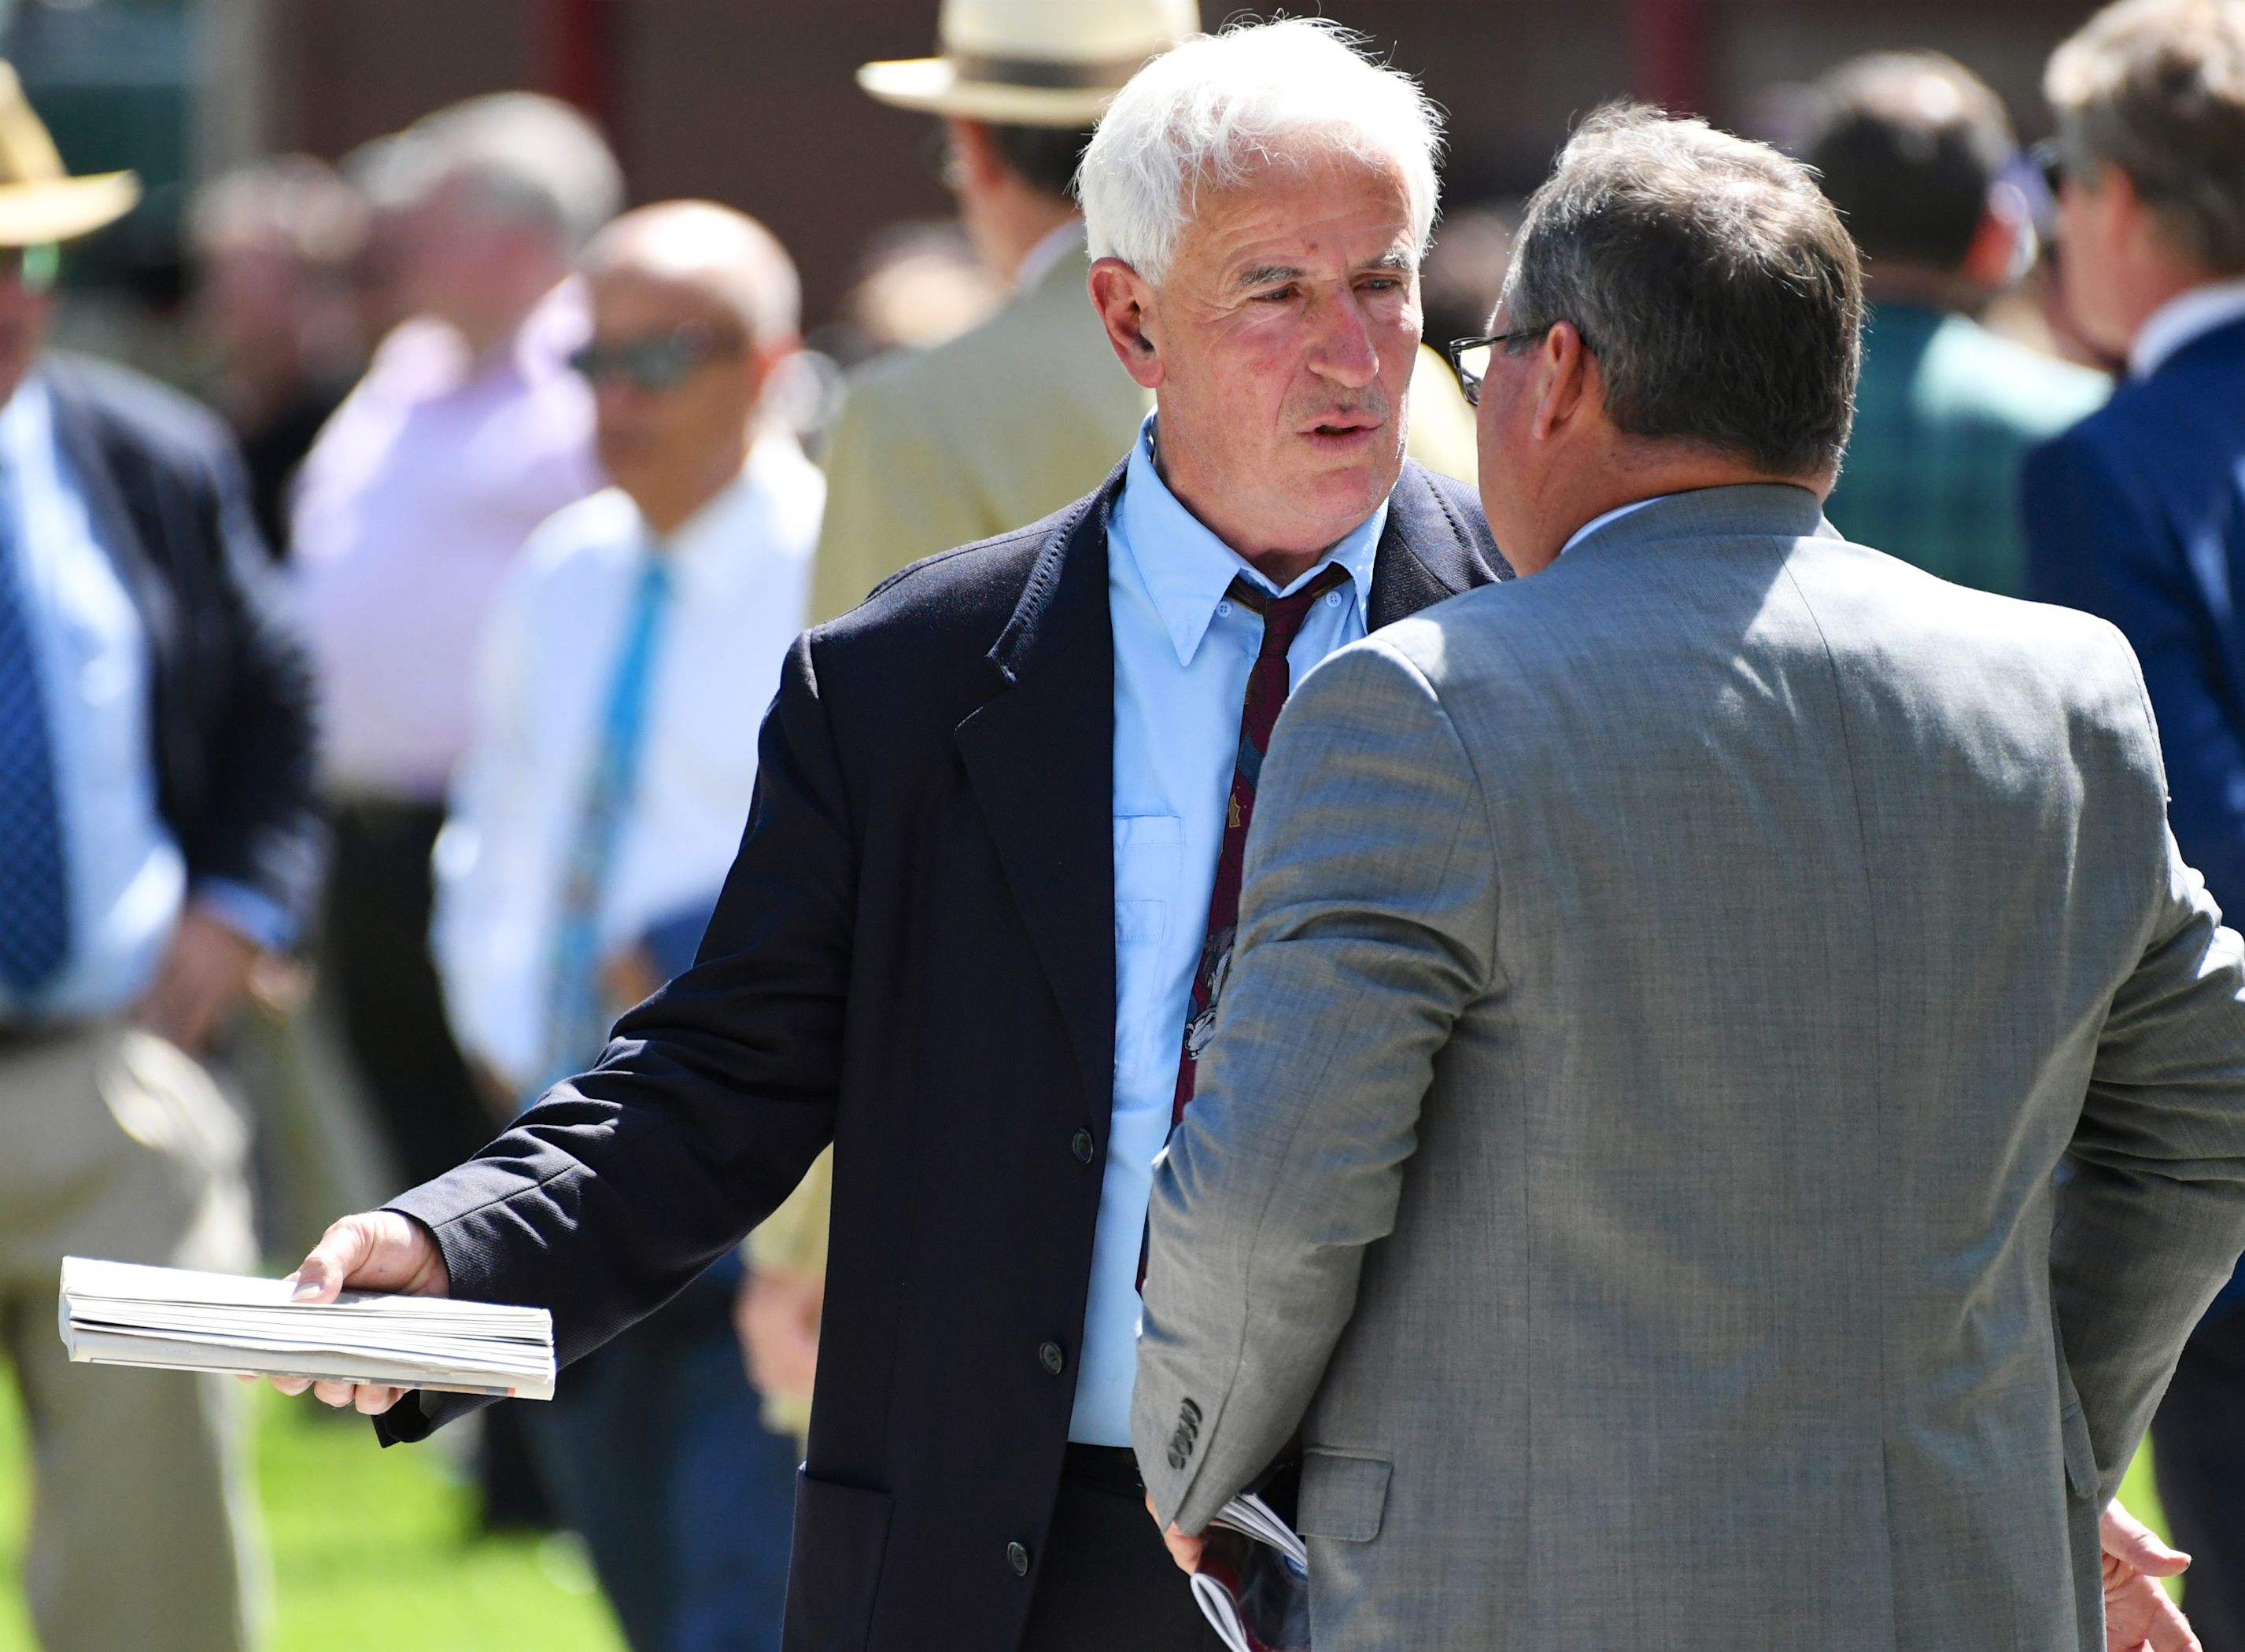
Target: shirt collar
[705, 549]
[2183, 321]
[1046, 255]
[1613, 516]
[25, 423]
[1186, 570]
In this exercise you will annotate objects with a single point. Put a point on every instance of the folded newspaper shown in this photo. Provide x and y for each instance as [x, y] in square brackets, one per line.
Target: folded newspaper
[1253, 1584]
[116, 1313]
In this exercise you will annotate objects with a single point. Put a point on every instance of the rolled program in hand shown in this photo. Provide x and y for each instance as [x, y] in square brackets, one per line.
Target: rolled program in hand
[115, 1313]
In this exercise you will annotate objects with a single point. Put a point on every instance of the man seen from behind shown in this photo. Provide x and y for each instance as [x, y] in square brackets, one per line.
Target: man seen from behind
[1670, 986]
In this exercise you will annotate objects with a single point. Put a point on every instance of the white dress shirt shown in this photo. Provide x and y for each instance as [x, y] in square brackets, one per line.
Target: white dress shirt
[741, 573]
[1183, 652]
[2184, 320]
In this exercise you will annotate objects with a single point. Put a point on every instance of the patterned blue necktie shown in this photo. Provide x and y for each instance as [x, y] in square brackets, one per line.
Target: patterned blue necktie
[35, 919]
[576, 1020]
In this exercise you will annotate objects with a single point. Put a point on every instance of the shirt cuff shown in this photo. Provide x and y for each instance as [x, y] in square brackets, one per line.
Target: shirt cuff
[248, 912]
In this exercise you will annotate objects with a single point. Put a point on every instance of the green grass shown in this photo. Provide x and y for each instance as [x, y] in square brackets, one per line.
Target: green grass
[371, 1551]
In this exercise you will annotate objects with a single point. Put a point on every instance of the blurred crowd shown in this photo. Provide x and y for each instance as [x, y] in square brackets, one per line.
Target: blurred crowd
[519, 500]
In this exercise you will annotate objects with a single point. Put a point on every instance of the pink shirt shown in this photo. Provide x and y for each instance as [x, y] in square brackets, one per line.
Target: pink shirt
[407, 512]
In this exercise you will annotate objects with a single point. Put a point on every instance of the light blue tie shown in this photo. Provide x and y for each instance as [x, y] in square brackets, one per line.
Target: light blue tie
[34, 918]
[576, 1022]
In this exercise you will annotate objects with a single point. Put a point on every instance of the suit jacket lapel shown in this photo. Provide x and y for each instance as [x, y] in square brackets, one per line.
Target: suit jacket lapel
[1039, 756]
[1434, 547]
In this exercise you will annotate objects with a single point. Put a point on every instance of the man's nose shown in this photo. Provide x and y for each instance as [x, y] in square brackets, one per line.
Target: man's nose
[1343, 350]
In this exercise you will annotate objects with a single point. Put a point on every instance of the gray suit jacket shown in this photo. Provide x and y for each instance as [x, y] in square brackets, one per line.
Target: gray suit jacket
[1725, 1107]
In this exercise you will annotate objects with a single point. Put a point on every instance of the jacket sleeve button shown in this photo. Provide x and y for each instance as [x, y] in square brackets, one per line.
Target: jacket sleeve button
[1017, 1558]
[1053, 1361]
[1082, 1146]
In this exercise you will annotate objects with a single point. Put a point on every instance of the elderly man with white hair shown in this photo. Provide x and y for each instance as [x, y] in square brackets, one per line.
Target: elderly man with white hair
[984, 905]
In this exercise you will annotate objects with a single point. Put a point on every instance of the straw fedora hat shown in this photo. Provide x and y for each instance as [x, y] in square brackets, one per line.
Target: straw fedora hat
[1032, 63]
[39, 202]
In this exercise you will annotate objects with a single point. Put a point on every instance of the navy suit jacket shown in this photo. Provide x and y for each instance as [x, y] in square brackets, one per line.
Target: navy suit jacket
[2137, 514]
[914, 960]
[231, 697]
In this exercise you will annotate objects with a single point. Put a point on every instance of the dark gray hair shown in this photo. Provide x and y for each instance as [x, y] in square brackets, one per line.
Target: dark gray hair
[1909, 144]
[2157, 88]
[1715, 285]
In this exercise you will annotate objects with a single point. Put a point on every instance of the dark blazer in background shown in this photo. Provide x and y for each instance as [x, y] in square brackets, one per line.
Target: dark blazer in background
[232, 711]
[2137, 514]
[914, 959]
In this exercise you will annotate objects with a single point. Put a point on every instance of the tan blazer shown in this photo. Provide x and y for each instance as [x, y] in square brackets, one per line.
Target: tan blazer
[996, 428]
[1008, 422]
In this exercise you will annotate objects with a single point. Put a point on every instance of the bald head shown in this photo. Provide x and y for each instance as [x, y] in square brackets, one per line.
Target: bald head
[724, 257]
[694, 307]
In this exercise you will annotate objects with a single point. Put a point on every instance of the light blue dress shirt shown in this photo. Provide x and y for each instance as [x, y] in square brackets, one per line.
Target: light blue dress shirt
[128, 878]
[1183, 652]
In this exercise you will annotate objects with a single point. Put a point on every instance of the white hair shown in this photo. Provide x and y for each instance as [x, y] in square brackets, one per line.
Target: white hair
[1215, 106]
[528, 157]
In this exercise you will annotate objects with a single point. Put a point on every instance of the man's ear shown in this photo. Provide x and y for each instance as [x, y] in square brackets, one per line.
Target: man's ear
[1125, 301]
[1569, 389]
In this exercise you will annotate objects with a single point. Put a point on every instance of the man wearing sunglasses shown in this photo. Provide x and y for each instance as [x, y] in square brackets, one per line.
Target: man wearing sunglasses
[594, 814]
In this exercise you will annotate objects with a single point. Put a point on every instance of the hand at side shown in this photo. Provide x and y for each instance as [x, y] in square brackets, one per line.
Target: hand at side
[1185, 1551]
[2137, 1614]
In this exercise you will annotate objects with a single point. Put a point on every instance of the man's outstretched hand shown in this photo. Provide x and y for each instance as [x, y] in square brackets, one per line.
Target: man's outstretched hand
[375, 1250]
[2137, 1614]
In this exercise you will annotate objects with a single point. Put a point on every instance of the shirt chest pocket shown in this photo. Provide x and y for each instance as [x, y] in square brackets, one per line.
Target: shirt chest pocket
[1148, 853]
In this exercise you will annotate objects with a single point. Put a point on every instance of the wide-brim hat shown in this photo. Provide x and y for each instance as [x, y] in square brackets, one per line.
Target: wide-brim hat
[39, 202]
[1032, 63]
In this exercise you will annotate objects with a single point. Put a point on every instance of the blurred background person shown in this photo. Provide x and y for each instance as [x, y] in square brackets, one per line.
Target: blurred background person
[467, 431]
[275, 247]
[918, 285]
[158, 833]
[2138, 514]
[1913, 150]
[597, 809]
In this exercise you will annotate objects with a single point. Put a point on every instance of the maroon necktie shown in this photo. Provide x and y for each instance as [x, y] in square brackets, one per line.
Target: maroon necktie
[1267, 685]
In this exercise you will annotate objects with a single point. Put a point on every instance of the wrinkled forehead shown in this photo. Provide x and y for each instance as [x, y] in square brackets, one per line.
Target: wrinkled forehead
[1313, 210]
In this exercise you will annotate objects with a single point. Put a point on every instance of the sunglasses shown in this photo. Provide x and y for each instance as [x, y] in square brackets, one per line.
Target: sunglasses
[657, 363]
[1470, 356]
